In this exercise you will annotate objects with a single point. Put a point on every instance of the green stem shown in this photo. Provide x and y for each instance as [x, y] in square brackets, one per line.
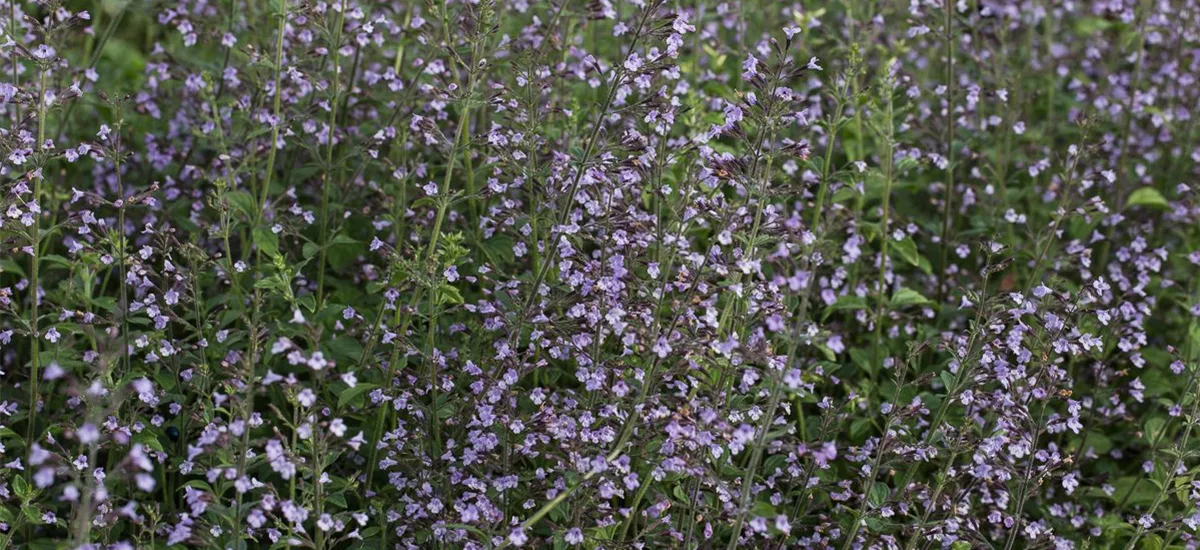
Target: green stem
[335, 48]
[1182, 445]
[580, 168]
[869, 483]
[276, 122]
[31, 429]
[760, 443]
[888, 162]
[431, 249]
[948, 212]
[918, 534]
[16, 75]
[1023, 489]
[319, 494]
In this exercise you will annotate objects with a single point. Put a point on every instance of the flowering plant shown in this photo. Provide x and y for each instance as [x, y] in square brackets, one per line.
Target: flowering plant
[611, 274]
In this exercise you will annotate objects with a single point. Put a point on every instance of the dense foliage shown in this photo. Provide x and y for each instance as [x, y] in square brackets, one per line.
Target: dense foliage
[599, 274]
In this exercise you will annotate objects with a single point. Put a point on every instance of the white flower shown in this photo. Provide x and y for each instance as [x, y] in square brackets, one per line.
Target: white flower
[43, 52]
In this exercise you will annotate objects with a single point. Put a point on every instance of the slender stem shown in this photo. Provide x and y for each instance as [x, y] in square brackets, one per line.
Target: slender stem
[766, 137]
[888, 162]
[1182, 445]
[8, 534]
[247, 408]
[434, 423]
[16, 74]
[275, 121]
[869, 482]
[335, 46]
[581, 166]
[94, 58]
[1023, 488]
[431, 249]
[34, 282]
[1044, 248]
[794, 340]
[918, 533]
[835, 123]
[960, 377]
[564, 495]
[760, 443]
[948, 212]
[122, 263]
[1123, 154]
[319, 491]
[869, 485]
[633, 508]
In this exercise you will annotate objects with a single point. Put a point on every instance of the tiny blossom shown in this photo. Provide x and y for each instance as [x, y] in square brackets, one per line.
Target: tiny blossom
[43, 52]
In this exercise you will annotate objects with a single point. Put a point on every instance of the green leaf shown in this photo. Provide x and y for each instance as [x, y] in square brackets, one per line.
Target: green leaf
[21, 487]
[846, 302]
[908, 297]
[342, 238]
[1099, 443]
[242, 201]
[859, 429]
[844, 194]
[446, 410]
[947, 379]
[1087, 26]
[272, 283]
[347, 349]
[907, 249]
[33, 514]
[308, 301]
[57, 260]
[12, 267]
[763, 509]
[199, 484]
[1147, 196]
[113, 7]
[352, 395]
[266, 241]
[1137, 492]
[862, 358]
[128, 58]
[149, 439]
[448, 294]
[498, 247]
[879, 494]
[310, 250]
[165, 380]
[1153, 427]
[370, 532]
[337, 498]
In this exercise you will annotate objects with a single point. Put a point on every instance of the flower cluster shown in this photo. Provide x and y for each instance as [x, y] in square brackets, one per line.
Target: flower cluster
[613, 274]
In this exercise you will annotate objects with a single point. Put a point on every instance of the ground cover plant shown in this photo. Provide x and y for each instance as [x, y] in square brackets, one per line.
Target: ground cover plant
[594, 274]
